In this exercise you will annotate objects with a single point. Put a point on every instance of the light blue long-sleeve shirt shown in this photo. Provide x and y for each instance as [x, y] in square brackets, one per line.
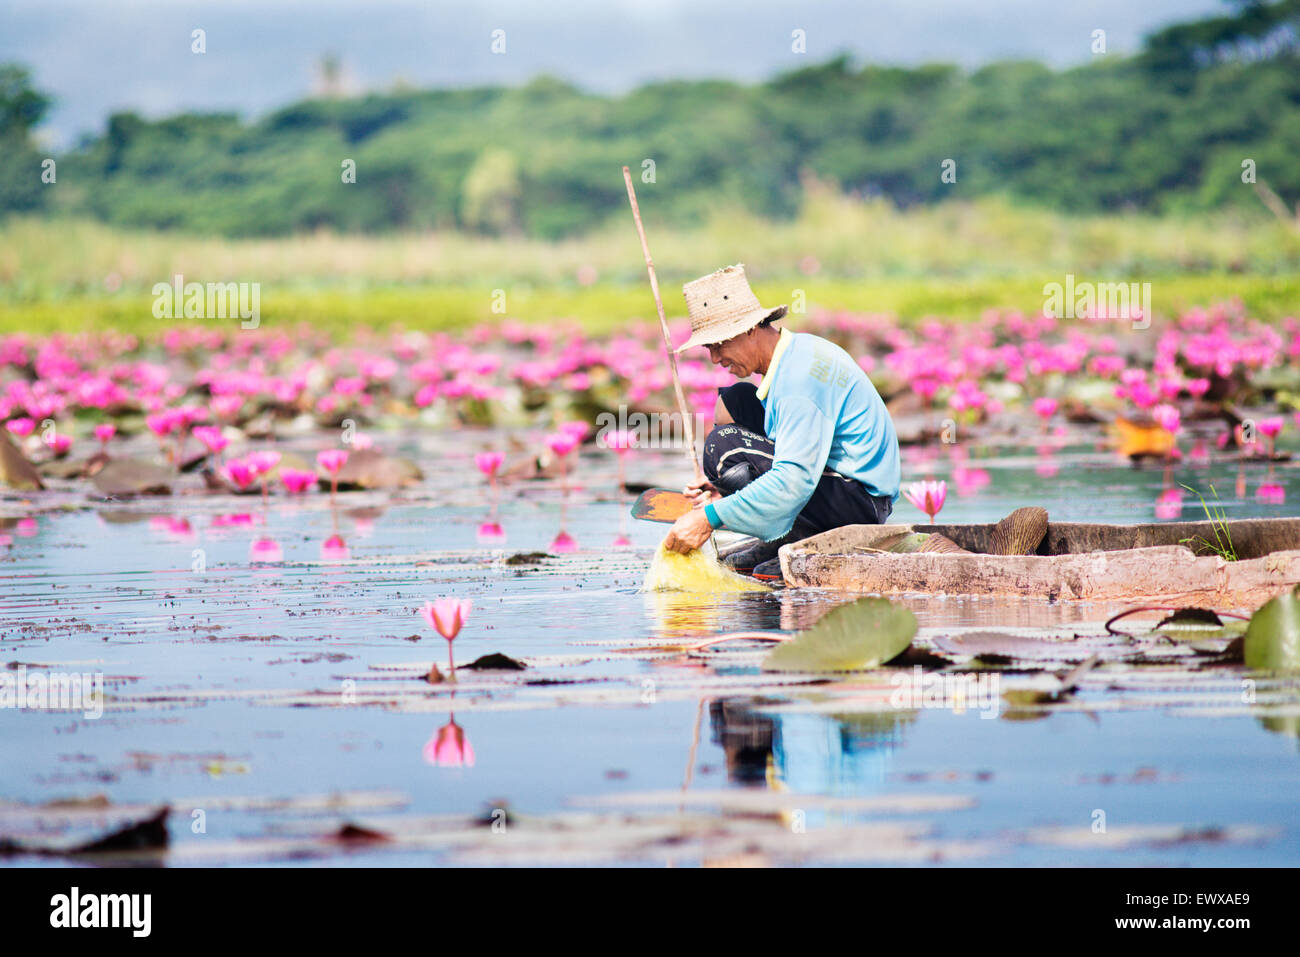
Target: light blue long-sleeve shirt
[822, 412]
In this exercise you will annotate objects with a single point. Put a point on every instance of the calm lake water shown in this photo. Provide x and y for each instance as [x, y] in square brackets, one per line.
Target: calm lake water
[246, 689]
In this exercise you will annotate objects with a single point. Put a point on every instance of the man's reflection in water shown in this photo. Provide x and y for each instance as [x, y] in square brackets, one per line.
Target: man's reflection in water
[833, 755]
[745, 737]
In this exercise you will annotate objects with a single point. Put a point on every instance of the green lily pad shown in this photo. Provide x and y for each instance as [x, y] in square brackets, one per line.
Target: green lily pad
[1273, 637]
[861, 634]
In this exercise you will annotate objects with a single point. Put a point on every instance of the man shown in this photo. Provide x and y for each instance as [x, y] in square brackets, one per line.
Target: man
[811, 448]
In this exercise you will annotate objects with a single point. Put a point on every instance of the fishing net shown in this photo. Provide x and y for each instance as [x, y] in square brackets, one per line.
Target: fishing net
[697, 571]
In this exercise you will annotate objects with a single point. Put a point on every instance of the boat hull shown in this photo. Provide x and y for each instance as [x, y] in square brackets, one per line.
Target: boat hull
[1075, 562]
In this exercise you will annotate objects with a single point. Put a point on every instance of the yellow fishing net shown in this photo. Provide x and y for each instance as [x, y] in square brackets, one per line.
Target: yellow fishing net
[697, 571]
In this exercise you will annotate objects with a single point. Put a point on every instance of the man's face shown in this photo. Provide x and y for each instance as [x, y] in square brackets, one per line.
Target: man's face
[734, 355]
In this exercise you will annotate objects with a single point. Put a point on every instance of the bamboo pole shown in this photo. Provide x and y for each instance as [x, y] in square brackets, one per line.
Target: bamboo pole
[688, 420]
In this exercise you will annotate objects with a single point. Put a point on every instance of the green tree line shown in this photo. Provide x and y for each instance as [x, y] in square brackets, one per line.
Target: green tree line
[1170, 129]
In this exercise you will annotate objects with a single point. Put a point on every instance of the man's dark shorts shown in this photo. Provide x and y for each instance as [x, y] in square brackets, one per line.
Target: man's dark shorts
[737, 453]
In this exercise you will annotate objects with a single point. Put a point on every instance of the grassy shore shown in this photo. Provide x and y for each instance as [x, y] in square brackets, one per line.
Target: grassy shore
[954, 260]
[603, 307]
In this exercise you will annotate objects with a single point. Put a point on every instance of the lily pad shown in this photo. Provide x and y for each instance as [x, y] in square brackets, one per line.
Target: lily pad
[368, 468]
[121, 478]
[861, 634]
[496, 662]
[990, 646]
[1199, 626]
[1273, 637]
[15, 471]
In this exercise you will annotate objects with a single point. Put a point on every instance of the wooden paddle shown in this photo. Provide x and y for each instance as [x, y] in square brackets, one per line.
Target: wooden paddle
[660, 505]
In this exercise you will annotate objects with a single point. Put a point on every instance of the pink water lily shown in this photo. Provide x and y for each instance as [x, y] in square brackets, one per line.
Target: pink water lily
[1167, 417]
[227, 406]
[928, 496]
[1045, 407]
[22, 427]
[104, 432]
[576, 428]
[1271, 428]
[263, 462]
[211, 437]
[332, 460]
[447, 616]
[489, 463]
[562, 443]
[620, 441]
[59, 443]
[296, 481]
[239, 473]
[163, 423]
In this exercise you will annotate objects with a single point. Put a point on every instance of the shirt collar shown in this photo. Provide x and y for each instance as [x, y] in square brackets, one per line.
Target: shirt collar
[763, 386]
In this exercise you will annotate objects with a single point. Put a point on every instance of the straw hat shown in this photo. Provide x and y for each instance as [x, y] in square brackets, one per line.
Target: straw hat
[721, 305]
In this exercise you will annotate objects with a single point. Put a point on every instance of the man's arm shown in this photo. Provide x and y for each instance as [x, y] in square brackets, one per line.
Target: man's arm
[768, 506]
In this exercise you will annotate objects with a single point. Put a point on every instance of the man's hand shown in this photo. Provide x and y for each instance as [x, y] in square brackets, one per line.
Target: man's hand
[701, 493]
[689, 532]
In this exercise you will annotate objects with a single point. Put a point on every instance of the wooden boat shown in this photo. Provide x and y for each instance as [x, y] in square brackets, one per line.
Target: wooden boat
[1165, 563]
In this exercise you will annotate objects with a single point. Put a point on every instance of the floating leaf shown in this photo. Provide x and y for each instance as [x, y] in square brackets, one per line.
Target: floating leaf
[496, 662]
[860, 634]
[993, 646]
[121, 478]
[371, 469]
[1197, 626]
[15, 471]
[1273, 637]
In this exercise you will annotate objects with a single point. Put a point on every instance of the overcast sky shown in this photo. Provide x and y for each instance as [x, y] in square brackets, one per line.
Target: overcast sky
[100, 56]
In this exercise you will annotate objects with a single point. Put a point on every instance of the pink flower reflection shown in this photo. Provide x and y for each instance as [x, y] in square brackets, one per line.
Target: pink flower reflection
[172, 525]
[563, 543]
[449, 748]
[334, 548]
[1169, 504]
[232, 521]
[265, 550]
[970, 481]
[491, 533]
[1270, 493]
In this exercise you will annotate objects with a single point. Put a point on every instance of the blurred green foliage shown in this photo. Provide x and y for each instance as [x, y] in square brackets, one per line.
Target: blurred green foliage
[1163, 131]
[606, 307]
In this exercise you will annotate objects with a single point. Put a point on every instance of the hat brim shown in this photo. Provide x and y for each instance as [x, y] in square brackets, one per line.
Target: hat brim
[731, 328]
